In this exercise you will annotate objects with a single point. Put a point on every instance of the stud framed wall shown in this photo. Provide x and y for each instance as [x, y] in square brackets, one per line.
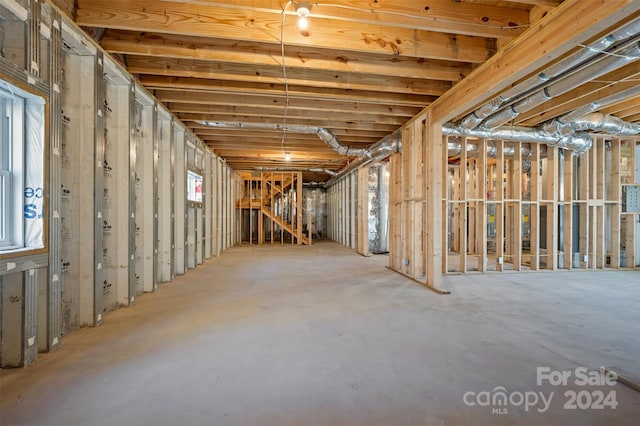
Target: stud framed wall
[91, 160]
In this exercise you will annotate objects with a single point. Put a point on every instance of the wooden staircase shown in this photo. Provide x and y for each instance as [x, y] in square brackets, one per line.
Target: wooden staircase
[284, 225]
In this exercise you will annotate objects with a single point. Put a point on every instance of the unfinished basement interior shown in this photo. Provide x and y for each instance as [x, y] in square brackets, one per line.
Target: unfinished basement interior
[381, 212]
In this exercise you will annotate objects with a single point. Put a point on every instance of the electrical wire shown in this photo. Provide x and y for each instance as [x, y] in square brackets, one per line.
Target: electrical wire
[604, 52]
[284, 76]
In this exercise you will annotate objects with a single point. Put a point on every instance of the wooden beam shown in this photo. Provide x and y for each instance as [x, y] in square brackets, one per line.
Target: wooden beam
[482, 20]
[315, 78]
[257, 55]
[361, 136]
[280, 102]
[572, 23]
[221, 88]
[311, 121]
[220, 112]
[244, 24]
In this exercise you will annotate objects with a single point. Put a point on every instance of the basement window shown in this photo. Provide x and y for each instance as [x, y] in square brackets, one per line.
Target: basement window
[21, 169]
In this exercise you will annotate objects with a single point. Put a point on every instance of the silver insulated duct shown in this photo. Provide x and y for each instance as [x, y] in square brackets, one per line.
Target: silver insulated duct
[579, 58]
[324, 134]
[579, 142]
[376, 152]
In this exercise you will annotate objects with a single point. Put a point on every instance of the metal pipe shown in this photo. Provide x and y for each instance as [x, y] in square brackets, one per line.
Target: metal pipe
[475, 118]
[579, 142]
[324, 134]
[598, 69]
[602, 103]
[333, 142]
[376, 152]
[605, 123]
[294, 169]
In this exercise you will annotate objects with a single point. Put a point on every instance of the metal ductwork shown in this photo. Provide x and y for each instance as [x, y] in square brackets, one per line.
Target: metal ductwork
[331, 140]
[596, 121]
[376, 152]
[324, 134]
[598, 69]
[602, 103]
[580, 57]
[295, 169]
[558, 134]
[578, 142]
[454, 148]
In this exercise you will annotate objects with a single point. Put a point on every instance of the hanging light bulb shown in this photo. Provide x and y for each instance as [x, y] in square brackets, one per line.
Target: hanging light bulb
[303, 16]
[287, 156]
[303, 24]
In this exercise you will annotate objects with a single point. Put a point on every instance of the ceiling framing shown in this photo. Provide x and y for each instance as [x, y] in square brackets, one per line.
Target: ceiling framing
[361, 70]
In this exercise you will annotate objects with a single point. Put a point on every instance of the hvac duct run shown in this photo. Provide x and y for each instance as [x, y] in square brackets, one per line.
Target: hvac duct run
[563, 85]
[579, 142]
[295, 169]
[376, 152]
[324, 134]
[583, 56]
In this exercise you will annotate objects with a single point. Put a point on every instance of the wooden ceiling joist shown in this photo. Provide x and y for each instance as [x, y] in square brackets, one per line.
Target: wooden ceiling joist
[222, 87]
[310, 121]
[274, 74]
[362, 70]
[269, 55]
[277, 102]
[255, 25]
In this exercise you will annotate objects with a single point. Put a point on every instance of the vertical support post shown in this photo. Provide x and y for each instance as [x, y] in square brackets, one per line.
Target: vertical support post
[534, 209]
[298, 176]
[435, 161]
[552, 208]
[462, 205]
[30, 316]
[481, 206]
[133, 177]
[100, 93]
[363, 211]
[499, 206]
[172, 197]
[568, 211]
[33, 55]
[54, 295]
[155, 122]
[614, 196]
[516, 196]
[584, 171]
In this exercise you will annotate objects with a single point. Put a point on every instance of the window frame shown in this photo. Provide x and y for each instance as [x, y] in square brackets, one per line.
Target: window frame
[12, 170]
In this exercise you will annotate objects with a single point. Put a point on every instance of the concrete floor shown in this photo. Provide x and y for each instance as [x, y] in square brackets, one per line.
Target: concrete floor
[322, 336]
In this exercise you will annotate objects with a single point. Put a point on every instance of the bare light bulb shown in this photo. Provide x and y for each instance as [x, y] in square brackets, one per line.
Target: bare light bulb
[303, 15]
[287, 156]
[303, 24]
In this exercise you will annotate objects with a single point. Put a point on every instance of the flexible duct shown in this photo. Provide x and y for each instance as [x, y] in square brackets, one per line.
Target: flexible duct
[602, 67]
[602, 103]
[475, 118]
[295, 169]
[324, 134]
[331, 140]
[376, 152]
[578, 142]
[596, 121]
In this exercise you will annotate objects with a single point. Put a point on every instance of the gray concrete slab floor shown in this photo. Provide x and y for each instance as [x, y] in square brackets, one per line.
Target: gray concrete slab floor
[322, 336]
